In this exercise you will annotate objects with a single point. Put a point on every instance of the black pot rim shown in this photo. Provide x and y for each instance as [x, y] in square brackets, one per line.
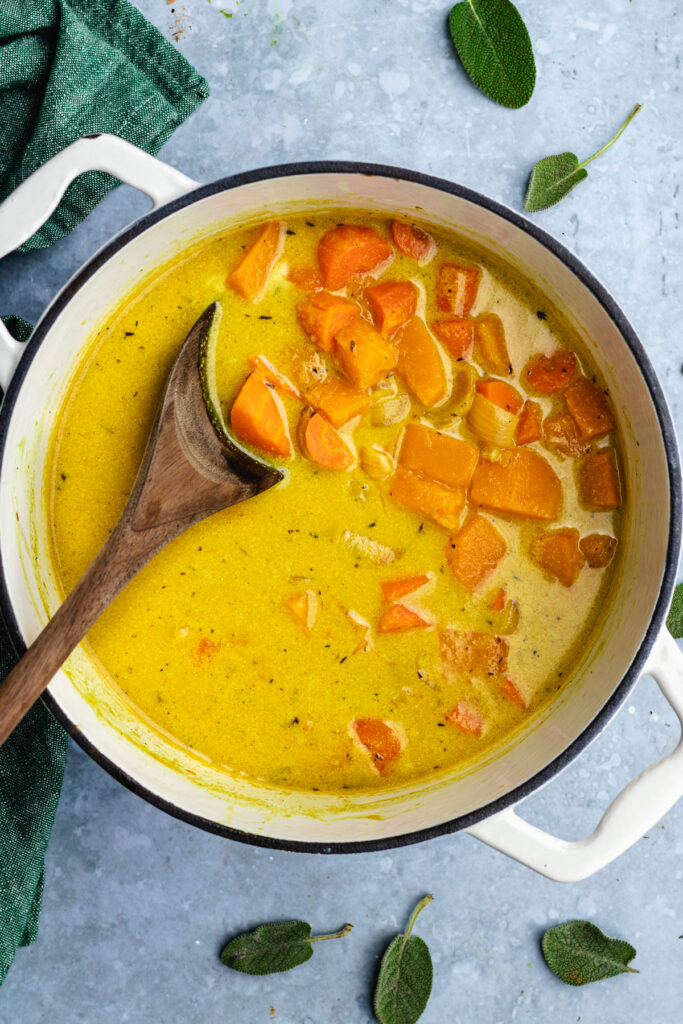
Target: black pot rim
[624, 687]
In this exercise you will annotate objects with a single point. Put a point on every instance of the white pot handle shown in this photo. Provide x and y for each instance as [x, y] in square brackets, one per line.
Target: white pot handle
[635, 810]
[32, 202]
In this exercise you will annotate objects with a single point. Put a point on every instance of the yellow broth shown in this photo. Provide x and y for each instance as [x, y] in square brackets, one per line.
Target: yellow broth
[202, 642]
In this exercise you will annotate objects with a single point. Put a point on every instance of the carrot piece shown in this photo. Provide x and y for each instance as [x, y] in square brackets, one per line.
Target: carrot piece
[428, 497]
[599, 480]
[379, 739]
[589, 407]
[399, 619]
[273, 376]
[522, 484]
[470, 654]
[456, 288]
[363, 354]
[529, 427]
[456, 334]
[501, 394]
[305, 278]
[206, 648]
[321, 315]
[497, 602]
[413, 242]
[250, 276]
[258, 417]
[466, 717]
[420, 363]
[337, 400]
[442, 457]
[513, 693]
[304, 608]
[392, 303]
[474, 552]
[394, 590]
[549, 374]
[348, 250]
[598, 549]
[490, 346]
[560, 434]
[557, 552]
[321, 443]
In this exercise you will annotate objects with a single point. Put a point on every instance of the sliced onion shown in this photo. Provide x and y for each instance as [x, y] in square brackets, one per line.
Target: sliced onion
[393, 410]
[495, 426]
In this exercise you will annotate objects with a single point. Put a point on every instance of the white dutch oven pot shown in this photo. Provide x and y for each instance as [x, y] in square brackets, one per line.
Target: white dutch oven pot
[632, 639]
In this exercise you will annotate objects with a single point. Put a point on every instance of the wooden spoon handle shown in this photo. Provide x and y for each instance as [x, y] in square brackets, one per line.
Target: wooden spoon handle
[119, 560]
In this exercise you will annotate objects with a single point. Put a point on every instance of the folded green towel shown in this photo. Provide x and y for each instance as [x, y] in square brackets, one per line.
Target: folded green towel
[68, 68]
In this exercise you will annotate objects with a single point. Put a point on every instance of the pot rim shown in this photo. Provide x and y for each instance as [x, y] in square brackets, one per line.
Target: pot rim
[625, 685]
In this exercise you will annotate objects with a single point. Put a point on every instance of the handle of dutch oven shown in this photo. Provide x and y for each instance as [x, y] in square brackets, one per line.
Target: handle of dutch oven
[30, 205]
[635, 810]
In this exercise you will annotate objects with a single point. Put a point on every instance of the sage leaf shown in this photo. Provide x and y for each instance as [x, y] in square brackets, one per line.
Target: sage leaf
[554, 176]
[404, 983]
[494, 46]
[578, 953]
[275, 947]
[674, 619]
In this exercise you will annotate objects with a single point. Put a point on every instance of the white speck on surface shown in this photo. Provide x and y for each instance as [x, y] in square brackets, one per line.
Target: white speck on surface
[394, 83]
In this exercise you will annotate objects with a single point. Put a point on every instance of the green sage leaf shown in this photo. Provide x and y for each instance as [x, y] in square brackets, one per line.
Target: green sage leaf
[404, 983]
[578, 953]
[276, 947]
[494, 46]
[554, 176]
[674, 619]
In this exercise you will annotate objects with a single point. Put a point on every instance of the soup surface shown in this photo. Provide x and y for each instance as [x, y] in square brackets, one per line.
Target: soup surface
[437, 556]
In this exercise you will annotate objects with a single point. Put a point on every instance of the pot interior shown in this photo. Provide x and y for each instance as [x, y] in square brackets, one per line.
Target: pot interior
[182, 781]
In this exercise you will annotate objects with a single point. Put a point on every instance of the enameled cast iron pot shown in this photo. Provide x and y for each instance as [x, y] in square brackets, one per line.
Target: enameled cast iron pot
[632, 638]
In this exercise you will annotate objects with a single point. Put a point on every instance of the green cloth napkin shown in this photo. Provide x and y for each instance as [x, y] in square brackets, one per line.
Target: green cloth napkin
[68, 68]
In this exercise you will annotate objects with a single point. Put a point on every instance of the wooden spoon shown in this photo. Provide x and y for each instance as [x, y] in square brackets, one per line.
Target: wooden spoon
[190, 470]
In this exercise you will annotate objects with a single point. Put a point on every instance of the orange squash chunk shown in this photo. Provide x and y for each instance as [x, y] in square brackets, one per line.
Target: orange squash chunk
[420, 363]
[501, 394]
[305, 278]
[558, 553]
[590, 410]
[379, 739]
[399, 619]
[474, 552]
[258, 417]
[599, 480]
[522, 484]
[273, 376]
[513, 693]
[456, 288]
[468, 653]
[456, 334]
[466, 717]
[529, 427]
[560, 433]
[428, 497]
[337, 400]
[549, 374]
[321, 315]
[348, 250]
[363, 354]
[394, 590]
[413, 242]
[442, 457]
[490, 346]
[304, 608]
[321, 443]
[392, 303]
[598, 549]
[251, 273]
[497, 602]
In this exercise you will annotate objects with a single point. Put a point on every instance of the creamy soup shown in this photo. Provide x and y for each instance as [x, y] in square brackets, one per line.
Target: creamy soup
[433, 564]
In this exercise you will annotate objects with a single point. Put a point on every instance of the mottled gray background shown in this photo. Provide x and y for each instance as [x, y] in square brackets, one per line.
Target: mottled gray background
[137, 904]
